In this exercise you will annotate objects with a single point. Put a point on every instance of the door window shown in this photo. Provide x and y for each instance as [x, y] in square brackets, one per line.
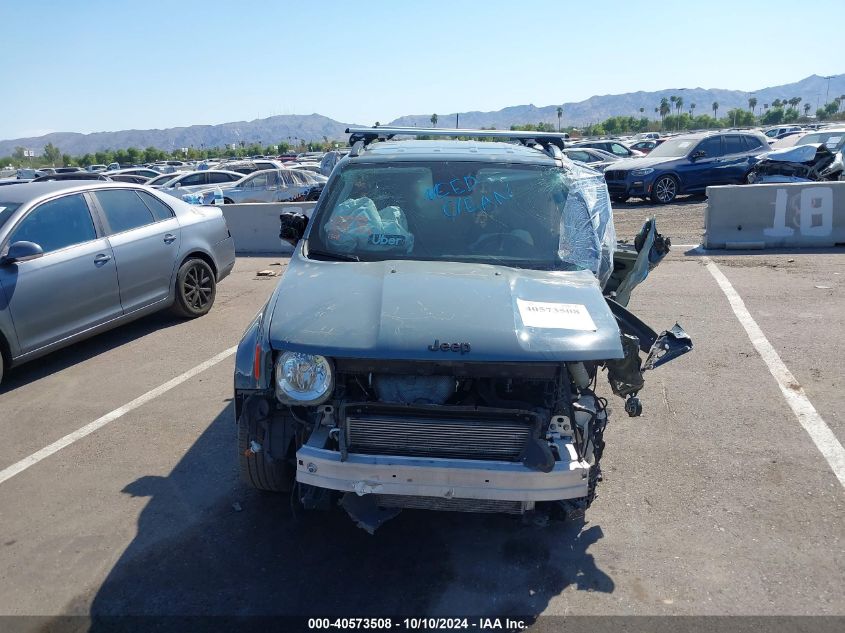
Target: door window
[160, 210]
[711, 147]
[219, 178]
[193, 179]
[619, 150]
[258, 182]
[123, 209]
[734, 144]
[57, 224]
[752, 142]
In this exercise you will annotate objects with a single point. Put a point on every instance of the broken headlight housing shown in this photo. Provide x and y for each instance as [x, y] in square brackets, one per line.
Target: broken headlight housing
[303, 379]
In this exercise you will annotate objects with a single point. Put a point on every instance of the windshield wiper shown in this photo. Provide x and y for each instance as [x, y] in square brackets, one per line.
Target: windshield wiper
[337, 257]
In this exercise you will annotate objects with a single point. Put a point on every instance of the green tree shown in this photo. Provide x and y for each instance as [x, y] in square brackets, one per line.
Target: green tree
[831, 108]
[52, 154]
[807, 107]
[715, 107]
[86, 159]
[752, 103]
[18, 154]
[560, 116]
[665, 109]
[67, 159]
[790, 115]
[433, 120]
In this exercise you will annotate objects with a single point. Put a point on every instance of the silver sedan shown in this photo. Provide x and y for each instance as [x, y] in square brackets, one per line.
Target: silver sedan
[80, 258]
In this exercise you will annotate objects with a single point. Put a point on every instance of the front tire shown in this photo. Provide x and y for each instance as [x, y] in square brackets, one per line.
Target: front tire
[257, 471]
[665, 190]
[196, 289]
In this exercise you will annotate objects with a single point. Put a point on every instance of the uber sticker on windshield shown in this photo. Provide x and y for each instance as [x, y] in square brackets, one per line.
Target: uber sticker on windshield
[558, 316]
[381, 239]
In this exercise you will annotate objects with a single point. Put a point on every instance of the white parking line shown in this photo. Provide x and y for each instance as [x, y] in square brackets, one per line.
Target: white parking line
[70, 438]
[792, 391]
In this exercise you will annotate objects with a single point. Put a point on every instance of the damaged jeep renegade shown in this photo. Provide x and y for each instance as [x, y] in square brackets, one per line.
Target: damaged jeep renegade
[438, 335]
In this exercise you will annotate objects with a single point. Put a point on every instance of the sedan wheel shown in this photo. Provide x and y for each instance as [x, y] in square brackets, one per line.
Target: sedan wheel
[196, 289]
[665, 190]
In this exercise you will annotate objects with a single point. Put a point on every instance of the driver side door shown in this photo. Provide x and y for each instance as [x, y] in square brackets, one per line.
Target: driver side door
[71, 288]
[701, 171]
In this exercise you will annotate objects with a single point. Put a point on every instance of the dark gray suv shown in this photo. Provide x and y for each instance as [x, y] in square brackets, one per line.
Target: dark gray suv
[436, 338]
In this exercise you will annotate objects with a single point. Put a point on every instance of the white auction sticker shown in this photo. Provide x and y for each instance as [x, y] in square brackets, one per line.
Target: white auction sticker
[559, 316]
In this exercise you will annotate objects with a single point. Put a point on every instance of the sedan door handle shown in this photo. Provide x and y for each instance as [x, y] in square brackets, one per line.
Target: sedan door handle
[101, 259]
[169, 238]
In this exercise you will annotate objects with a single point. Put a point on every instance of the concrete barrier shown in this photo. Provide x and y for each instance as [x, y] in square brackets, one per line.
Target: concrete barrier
[255, 227]
[792, 215]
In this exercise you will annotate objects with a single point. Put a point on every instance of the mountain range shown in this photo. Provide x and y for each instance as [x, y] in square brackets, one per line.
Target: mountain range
[283, 128]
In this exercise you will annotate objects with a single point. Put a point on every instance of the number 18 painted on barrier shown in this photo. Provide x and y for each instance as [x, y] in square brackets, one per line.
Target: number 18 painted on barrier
[815, 213]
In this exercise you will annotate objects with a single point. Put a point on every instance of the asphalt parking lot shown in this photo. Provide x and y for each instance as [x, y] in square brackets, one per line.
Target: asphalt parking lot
[715, 501]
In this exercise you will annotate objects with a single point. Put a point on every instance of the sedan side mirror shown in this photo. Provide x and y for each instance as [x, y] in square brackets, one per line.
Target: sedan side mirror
[293, 227]
[23, 252]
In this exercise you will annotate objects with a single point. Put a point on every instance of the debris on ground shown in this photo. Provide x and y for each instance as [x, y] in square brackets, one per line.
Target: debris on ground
[266, 273]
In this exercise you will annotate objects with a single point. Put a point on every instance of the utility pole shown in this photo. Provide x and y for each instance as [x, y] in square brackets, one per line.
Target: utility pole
[457, 121]
[827, 94]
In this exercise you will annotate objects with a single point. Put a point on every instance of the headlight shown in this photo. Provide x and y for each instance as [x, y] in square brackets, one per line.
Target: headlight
[303, 379]
[641, 172]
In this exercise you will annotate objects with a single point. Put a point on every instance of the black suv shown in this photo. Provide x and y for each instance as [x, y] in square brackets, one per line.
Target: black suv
[686, 164]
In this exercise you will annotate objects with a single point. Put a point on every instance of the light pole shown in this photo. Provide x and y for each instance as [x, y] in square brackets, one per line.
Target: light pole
[827, 94]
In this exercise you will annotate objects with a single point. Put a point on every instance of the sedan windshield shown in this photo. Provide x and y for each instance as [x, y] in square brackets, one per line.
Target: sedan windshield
[509, 214]
[673, 148]
[834, 141]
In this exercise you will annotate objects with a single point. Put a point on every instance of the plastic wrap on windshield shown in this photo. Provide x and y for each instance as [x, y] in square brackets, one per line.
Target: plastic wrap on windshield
[357, 225]
[587, 236]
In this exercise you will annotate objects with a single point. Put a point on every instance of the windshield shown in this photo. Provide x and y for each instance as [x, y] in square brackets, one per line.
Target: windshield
[834, 141]
[674, 148]
[6, 211]
[508, 214]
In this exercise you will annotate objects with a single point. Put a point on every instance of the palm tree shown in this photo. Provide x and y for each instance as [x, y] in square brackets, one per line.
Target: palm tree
[692, 109]
[657, 112]
[559, 116]
[841, 99]
[776, 103]
[807, 107]
[433, 120]
[715, 107]
[752, 103]
[679, 103]
[642, 110]
[664, 109]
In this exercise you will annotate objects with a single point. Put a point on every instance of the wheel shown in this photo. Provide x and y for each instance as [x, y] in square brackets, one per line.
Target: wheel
[665, 190]
[228, 201]
[620, 199]
[258, 472]
[196, 289]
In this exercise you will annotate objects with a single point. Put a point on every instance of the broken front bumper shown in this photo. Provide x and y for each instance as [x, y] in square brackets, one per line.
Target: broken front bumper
[438, 477]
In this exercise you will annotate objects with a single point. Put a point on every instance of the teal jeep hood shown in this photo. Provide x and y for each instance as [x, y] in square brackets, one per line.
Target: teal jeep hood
[446, 311]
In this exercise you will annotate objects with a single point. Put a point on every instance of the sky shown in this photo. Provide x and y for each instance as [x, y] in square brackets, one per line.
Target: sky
[92, 65]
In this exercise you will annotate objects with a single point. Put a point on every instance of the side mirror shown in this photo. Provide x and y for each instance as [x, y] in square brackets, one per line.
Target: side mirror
[293, 227]
[698, 154]
[23, 252]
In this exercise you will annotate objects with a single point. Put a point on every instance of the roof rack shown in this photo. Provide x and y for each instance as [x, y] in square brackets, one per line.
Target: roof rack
[549, 142]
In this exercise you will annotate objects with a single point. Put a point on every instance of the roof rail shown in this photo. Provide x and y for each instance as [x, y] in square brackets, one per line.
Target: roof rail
[550, 142]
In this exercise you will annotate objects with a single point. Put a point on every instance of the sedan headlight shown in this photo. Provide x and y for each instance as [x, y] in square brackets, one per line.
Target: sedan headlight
[303, 379]
[641, 172]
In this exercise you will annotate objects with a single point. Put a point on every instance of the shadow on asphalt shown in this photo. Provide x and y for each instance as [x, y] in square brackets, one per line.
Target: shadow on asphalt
[207, 545]
[87, 349]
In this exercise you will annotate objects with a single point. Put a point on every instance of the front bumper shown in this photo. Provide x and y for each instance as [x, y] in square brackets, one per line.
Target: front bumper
[438, 477]
[630, 186]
